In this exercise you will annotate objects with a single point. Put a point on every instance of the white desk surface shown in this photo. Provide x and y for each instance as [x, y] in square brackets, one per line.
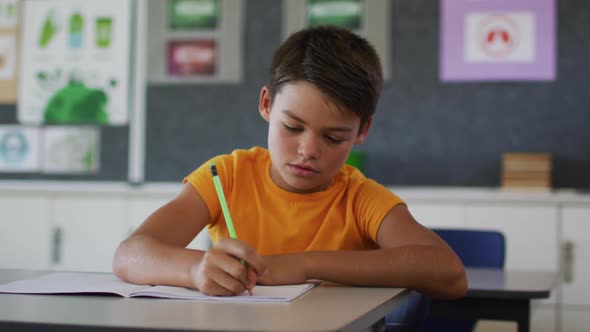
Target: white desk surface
[325, 308]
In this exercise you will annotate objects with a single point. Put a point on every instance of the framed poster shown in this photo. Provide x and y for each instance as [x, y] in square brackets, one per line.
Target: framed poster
[349, 14]
[19, 149]
[76, 56]
[195, 41]
[71, 149]
[497, 40]
[8, 51]
[192, 57]
[193, 15]
[370, 19]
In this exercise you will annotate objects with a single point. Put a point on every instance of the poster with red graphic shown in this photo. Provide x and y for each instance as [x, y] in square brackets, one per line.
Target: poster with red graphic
[497, 40]
[192, 57]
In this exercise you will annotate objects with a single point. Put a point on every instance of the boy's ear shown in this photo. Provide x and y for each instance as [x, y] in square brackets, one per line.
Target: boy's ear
[264, 103]
[364, 131]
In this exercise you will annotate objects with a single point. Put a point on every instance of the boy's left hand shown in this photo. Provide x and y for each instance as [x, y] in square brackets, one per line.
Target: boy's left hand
[286, 269]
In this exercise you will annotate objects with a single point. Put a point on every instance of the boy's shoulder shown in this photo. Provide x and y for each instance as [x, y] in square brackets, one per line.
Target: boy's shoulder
[357, 183]
[244, 157]
[242, 160]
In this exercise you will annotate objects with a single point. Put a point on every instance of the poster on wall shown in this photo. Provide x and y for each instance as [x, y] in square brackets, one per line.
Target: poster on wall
[349, 14]
[370, 19]
[497, 40]
[8, 51]
[75, 66]
[193, 15]
[195, 41]
[192, 57]
[8, 14]
[19, 149]
[69, 149]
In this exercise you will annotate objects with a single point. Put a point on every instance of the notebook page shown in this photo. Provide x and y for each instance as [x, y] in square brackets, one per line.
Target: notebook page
[259, 293]
[72, 282]
[107, 283]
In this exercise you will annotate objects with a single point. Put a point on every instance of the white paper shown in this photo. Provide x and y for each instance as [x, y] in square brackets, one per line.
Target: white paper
[106, 283]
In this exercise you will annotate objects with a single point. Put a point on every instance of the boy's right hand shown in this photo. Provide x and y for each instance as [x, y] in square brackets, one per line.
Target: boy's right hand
[220, 272]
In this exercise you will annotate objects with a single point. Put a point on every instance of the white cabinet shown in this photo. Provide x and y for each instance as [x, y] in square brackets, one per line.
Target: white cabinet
[25, 236]
[518, 222]
[575, 320]
[531, 234]
[437, 215]
[90, 227]
[575, 314]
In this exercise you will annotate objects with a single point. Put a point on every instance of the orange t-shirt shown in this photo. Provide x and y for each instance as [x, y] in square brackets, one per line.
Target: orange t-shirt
[345, 216]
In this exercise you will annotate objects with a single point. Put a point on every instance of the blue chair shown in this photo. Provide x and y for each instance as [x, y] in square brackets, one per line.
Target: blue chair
[475, 248]
[410, 316]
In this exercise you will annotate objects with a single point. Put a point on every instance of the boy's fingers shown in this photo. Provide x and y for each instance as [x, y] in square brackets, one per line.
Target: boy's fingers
[223, 266]
[243, 251]
[252, 278]
[232, 285]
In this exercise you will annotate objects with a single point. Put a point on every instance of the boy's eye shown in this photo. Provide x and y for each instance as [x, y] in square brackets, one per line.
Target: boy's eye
[334, 140]
[292, 129]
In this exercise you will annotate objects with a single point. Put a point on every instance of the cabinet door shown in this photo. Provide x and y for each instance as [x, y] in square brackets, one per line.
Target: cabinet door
[575, 319]
[438, 215]
[576, 235]
[530, 231]
[141, 207]
[25, 233]
[531, 234]
[91, 226]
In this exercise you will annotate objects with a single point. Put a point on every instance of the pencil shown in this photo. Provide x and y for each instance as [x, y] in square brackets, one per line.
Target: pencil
[224, 208]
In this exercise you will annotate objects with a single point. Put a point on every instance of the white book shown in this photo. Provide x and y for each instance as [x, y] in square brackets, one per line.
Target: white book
[107, 283]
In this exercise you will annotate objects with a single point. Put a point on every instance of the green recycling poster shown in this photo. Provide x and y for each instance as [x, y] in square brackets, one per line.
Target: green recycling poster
[75, 66]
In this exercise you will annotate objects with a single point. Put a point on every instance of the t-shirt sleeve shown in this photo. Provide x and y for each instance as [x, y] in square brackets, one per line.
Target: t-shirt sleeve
[372, 203]
[202, 180]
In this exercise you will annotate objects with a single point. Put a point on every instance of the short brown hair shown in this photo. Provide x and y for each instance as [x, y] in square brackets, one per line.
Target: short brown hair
[341, 64]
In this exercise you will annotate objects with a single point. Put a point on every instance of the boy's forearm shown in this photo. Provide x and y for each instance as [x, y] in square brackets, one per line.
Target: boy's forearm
[425, 268]
[143, 260]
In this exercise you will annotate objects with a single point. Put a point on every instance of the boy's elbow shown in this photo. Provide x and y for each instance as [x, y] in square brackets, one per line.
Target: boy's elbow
[457, 285]
[460, 284]
[119, 265]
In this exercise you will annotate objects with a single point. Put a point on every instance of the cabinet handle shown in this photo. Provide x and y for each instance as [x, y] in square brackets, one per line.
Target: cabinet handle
[56, 245]
[568, 262]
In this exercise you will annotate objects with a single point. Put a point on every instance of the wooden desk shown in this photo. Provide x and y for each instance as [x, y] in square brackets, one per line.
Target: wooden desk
[499, 295]
[324, 308]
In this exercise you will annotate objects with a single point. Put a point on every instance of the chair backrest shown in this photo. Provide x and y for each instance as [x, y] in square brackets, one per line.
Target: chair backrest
[476, 248]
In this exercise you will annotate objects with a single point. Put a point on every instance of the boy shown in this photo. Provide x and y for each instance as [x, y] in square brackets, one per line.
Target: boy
[298, 211]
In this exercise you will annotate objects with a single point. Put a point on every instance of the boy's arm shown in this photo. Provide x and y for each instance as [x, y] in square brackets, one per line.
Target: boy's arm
[411, 256]
[156, 253]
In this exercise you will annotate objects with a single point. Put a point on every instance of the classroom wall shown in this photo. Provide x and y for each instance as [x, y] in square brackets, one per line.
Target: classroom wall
[425, 132]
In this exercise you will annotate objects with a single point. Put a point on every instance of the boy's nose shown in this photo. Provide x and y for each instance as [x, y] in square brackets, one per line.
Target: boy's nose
[309, 148]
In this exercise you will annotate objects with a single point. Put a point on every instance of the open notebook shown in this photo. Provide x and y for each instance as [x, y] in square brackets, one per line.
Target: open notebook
[106, 283]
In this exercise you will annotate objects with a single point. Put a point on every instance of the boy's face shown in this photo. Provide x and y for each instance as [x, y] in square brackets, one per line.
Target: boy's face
[309, 137]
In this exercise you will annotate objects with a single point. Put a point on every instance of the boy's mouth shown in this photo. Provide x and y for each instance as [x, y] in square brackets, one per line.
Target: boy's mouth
[302, 170]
